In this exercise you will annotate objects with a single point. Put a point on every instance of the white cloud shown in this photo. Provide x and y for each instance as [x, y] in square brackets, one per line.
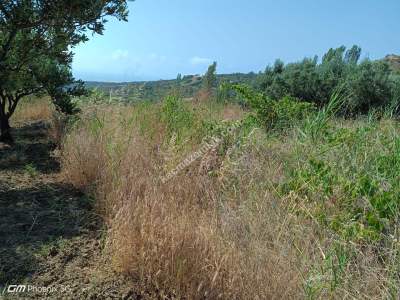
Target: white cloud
[120, 54]
[200, 61]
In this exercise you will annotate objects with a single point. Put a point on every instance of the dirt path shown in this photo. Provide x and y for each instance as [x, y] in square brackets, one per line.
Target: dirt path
[49, 236]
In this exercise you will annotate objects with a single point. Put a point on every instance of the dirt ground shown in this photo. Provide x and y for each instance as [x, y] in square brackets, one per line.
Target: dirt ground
[50, 238]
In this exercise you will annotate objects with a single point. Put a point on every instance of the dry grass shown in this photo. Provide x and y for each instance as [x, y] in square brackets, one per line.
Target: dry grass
[41, 109]
[231, 235]
[33, 109]
[202, 95]
[186, 237]
[232, 112]
[58, 127]
[85, 153]
[82, 165]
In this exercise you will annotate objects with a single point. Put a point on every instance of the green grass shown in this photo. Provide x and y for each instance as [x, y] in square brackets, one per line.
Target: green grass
[31, 170]
[350, 176]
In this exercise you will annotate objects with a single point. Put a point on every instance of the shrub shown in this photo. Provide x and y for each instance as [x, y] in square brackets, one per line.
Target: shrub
[224, 92]
[273, 114]
[348, 180]
[290, 111]
[177, 116]
[395, 104]
[370, 87]
[369, 83]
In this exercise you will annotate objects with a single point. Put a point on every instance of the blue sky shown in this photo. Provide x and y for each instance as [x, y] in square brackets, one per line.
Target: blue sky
[167, 37]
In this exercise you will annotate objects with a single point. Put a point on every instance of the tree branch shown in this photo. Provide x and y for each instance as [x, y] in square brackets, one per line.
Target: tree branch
[13, 100]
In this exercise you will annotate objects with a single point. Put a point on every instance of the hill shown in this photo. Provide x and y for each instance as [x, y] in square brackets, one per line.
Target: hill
[188, 86]
[394, 62]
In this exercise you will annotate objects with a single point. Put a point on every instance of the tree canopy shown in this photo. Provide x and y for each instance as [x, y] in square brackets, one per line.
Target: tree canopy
[37, 38]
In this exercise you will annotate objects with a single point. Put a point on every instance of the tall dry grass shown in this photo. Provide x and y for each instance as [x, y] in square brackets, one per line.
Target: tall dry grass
[33, 109]
[185, 236]
[228, 235]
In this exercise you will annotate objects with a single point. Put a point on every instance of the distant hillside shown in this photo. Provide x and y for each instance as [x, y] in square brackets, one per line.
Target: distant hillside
[94, 84]
[188, 86]
[394, 62]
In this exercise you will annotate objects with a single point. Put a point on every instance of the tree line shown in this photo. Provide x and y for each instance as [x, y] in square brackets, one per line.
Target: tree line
[368, 84]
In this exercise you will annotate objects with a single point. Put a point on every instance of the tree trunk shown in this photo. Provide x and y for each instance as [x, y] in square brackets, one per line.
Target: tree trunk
[5, 134]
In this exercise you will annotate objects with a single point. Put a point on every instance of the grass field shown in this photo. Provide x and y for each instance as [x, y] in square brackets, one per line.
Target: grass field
[308, 209]
[175, 159]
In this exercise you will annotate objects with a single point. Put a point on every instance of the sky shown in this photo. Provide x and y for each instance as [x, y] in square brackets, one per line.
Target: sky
[165, 37]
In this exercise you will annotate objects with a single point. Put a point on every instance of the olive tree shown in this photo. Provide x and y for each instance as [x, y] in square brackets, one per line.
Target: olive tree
[37, 39]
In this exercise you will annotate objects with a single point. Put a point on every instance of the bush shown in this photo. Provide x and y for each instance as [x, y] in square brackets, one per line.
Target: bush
[349, 176]
[177, 116]
[369, 83]
[370, 86]
[224, 93]
[290, 111]
[273, 114]
[395, 104]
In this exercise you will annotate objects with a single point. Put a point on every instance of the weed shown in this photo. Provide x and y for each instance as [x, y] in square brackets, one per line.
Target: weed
[31, 170]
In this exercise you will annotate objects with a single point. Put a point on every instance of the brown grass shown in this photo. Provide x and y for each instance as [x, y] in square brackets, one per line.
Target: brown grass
[228, 236]
[58, 127]
[187, 236]
[85, 157]
[172, 237]
[33, 109]
[202, 95]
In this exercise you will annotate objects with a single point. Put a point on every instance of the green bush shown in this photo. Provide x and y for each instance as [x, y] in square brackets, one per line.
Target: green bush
[177, 116]
[370, 86]
[224, 92]
[369, 83]
[272, 114]
[395, 104]
[317, 125]
[289, 111]
[350, 177]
